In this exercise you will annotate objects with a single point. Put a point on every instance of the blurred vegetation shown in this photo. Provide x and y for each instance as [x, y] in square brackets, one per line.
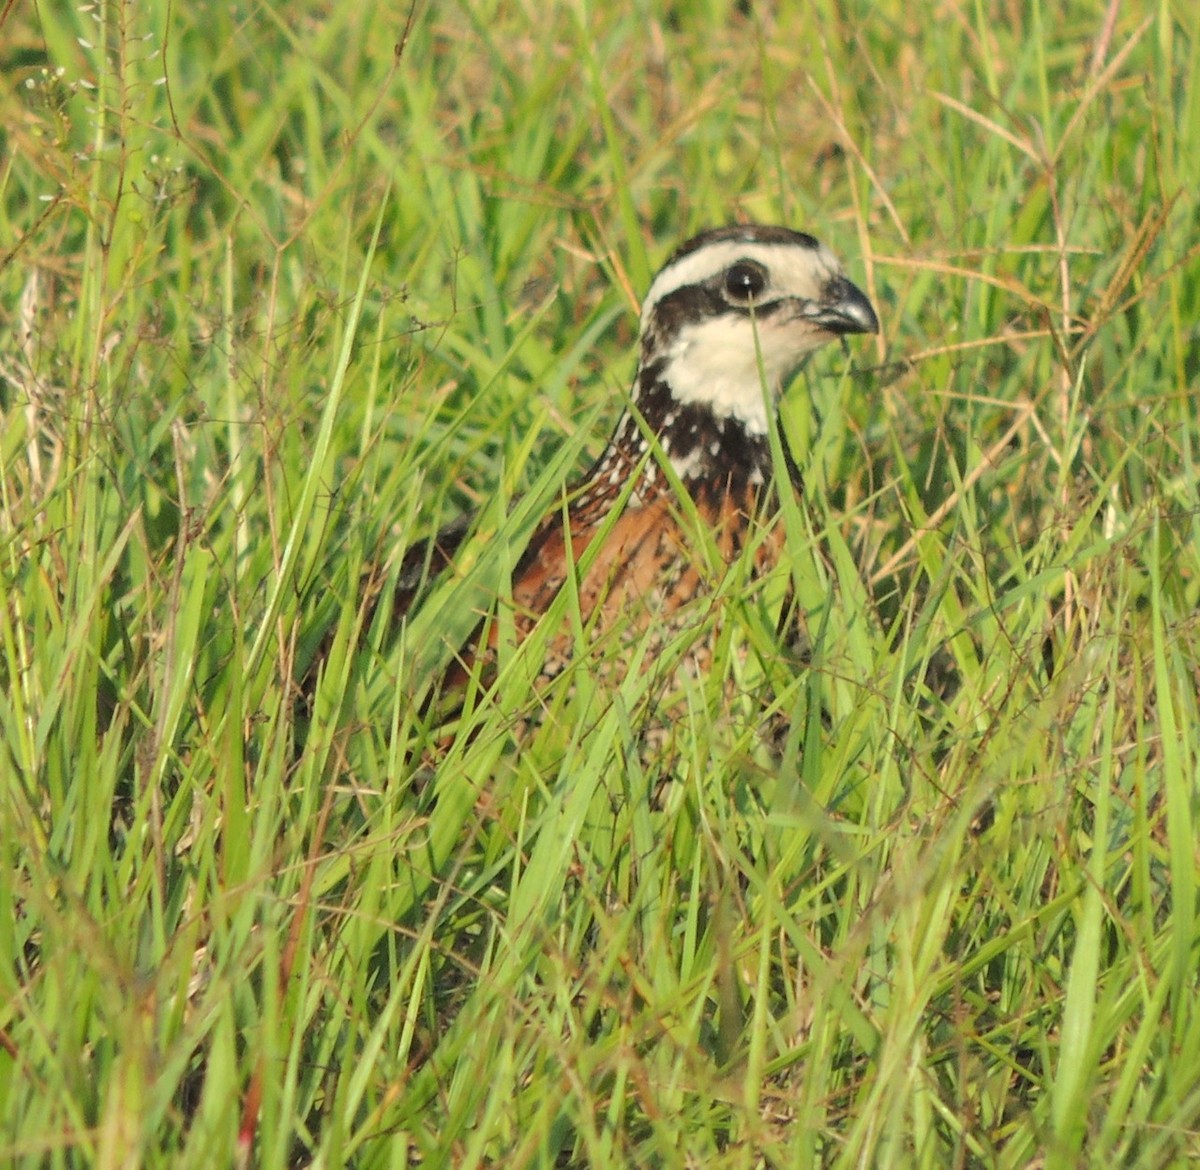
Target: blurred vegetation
[283, 289]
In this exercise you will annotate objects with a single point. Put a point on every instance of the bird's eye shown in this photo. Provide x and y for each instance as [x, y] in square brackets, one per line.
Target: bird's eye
[745, 281]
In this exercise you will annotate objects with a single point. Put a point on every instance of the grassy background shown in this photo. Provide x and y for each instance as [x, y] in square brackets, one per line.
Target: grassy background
[276, 297]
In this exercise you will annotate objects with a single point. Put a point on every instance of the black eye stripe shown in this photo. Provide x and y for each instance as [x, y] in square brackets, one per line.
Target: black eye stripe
[692, 304]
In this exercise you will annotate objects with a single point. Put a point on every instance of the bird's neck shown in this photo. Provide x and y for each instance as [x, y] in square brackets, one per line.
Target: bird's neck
[712, 455]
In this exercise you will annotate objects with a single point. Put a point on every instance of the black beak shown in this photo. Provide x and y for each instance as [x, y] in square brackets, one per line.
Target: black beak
[844, 309]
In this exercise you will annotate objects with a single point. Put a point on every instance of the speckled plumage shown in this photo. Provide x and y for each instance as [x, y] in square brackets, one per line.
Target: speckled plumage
[727, 321]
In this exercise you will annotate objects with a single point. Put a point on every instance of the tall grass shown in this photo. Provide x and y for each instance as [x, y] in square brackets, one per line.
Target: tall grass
[284, 288]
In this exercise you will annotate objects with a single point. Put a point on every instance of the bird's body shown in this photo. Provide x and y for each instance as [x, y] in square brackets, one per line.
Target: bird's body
[726, 322]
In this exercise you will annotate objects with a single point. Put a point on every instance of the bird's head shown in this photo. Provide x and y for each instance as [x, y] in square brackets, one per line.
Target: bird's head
[739, 308]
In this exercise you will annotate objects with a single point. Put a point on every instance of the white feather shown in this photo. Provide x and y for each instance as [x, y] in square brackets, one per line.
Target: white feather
[715, 363]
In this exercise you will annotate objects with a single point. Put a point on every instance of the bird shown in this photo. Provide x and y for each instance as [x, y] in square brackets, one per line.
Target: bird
[727, 321]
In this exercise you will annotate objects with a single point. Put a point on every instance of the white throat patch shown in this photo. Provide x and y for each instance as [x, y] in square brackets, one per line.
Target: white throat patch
[715, 364]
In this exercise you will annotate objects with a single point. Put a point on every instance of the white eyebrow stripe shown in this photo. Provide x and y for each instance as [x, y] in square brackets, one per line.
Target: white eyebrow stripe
[796, 265]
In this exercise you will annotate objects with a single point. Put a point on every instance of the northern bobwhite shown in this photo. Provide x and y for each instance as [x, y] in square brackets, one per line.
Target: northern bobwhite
[726, 323]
